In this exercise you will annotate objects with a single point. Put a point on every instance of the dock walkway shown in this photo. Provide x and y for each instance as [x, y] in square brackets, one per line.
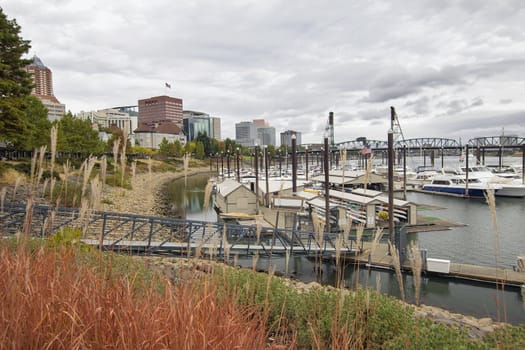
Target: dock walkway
[381, 258]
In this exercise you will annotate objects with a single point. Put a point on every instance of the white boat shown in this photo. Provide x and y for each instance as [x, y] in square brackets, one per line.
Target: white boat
[457, 185]
[511, 187]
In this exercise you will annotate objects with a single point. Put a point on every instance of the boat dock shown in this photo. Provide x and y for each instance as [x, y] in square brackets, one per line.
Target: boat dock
[382, 259]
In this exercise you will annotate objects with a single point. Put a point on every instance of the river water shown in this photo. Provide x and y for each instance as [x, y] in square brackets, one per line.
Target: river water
[471, 244]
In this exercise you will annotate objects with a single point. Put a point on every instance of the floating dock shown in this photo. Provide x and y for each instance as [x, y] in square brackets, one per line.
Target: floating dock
[381, 258]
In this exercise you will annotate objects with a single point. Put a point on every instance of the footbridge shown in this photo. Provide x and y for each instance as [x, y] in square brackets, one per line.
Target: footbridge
[151, 234]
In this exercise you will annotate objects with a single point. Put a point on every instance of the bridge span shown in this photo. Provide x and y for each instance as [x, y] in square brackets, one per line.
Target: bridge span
[435, 143]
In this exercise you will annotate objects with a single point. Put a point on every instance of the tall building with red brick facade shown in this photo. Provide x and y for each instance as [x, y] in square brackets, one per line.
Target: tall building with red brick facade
[161, 109]
[43, 89]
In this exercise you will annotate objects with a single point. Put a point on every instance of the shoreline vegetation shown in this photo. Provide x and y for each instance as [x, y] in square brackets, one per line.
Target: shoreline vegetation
[60, 290]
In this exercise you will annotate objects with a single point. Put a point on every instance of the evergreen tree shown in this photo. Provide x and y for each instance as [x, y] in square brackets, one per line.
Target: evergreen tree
[77, 135]
[15, 83]
[165, 147]
[38, 127]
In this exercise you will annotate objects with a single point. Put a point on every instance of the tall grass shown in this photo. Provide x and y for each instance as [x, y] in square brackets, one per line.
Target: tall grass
[397, 267]
[53, 146]
[49, 300]
[416, 264]
[123, 157]
[500, 280]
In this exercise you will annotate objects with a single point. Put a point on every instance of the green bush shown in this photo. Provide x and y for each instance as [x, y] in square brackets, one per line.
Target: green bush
[372, 320]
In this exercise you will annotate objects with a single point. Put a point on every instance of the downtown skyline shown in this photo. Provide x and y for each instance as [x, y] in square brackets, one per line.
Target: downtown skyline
[451, 69]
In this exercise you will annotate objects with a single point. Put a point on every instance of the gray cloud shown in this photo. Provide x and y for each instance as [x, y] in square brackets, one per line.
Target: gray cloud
[291, 62]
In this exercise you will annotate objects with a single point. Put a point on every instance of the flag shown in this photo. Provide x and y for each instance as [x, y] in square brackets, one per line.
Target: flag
[168, 85]
[365, 150]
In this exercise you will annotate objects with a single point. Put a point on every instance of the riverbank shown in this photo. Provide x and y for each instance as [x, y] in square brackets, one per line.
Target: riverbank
[179, 270]
[148, 199]
[146, 195]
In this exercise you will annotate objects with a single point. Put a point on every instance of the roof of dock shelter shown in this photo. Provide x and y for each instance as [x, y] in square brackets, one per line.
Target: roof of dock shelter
[380, 196]
[228, 186]
[348, 173]
[337, 180]
[308, 194]
[366, 192]
[353, 197]
[288, 202]
[278, 185]
[397, 202]
[320, 203]
[372, 179]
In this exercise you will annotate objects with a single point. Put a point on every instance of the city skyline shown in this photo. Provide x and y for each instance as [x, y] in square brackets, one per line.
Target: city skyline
[450, 69]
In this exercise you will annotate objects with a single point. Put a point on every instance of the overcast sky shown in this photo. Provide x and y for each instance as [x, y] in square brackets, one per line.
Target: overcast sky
[452, 69]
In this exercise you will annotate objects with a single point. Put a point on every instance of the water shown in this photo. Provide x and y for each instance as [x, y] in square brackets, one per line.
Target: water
[187, 200]
[476, 299]
[471, 244]
[475, 243]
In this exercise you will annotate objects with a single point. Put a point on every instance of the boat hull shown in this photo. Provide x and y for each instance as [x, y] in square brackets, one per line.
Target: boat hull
[458, 191]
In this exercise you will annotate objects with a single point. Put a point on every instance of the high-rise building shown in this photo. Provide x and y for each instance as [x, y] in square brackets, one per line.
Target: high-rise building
[216, 126]
[245, 134]
[43, 89]
[195, 122]
[286, 137]
[261, 123]
[161, 109]
[266, 135]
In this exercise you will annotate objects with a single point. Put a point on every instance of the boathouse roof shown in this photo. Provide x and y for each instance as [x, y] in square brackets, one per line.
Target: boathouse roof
[337, 180]
[350, 197]
[228, 186]
[288, 202]
[366, 192]
[308, 194]
[320, 203]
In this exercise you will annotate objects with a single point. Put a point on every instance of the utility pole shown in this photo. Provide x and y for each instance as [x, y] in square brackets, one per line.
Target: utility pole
[267, 194]
[391, 179]
[256, 179]
[326, 186]
[294, 164]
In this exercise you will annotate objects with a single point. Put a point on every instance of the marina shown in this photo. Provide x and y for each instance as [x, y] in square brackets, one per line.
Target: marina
[271, 219]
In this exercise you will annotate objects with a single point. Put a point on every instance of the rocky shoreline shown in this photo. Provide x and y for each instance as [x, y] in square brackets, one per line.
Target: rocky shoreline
[147, 198]
[147, 194]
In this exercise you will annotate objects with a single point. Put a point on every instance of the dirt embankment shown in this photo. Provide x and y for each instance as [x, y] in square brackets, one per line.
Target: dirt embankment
[146, 195]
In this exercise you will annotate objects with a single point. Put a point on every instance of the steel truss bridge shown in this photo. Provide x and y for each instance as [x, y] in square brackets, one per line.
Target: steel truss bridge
[436, 143]
[151, 234]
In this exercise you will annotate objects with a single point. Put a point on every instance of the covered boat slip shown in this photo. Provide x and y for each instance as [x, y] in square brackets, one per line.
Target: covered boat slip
[364, 209]
[353, 179]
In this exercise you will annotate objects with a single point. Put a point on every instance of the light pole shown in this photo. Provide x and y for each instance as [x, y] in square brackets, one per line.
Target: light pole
[222, 164]
[306, 159]
[238, 170]
[228, 161]
[294, 164]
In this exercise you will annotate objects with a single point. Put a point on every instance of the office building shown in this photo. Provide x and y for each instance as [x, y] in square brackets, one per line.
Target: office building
[161, 109]
[286, 137]
[111, 117]
[266, 135]
[43, 89]
[246, 134]
[216, 127]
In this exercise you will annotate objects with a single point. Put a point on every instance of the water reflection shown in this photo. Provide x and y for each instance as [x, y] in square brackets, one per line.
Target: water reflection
[186, 201]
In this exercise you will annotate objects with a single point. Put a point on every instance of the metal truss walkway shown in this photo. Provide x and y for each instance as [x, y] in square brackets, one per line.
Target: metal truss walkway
[151, 234]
